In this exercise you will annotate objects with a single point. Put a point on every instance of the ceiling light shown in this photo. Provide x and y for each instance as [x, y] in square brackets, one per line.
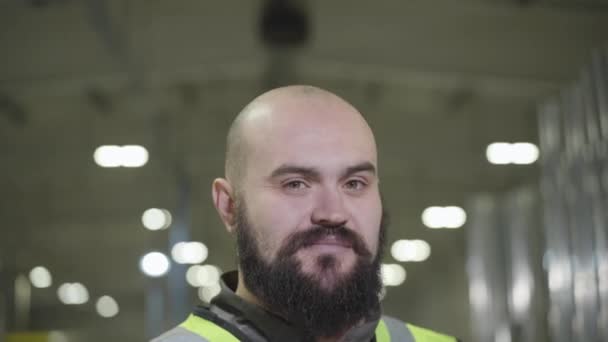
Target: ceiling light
[155, 264]
[73, 294]
[156, 219]
[520, 153]
[40, 277]
[410, 250]
[121, 156]
[107, 307]
[392, 274]
[524, 153]
[203, 275]
[189, 252]
[444, 217]
[206, 293]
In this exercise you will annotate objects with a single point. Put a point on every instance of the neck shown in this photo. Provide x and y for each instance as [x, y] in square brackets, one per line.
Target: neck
[330, 339]
[243, 292]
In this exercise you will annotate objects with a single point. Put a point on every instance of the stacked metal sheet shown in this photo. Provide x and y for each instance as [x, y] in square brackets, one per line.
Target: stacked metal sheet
[506, 289]
[574, 152]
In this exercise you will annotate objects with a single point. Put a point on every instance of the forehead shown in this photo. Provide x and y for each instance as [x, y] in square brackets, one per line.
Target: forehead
[327, 135]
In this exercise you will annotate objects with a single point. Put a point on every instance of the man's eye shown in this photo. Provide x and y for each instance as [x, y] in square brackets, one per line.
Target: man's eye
[355, 184]
[295, 185]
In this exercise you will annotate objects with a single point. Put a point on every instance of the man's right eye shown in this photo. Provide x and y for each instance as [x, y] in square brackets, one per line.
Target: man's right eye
[294, 185]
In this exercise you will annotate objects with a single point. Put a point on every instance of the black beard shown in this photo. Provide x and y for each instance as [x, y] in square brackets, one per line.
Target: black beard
[300, 298]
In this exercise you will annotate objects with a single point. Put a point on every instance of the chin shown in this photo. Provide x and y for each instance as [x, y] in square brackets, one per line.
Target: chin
[329, 283]
[320, 258]
[329, 269]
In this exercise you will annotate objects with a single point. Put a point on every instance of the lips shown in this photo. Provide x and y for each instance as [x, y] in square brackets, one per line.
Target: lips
[333, 240]
[325, 238]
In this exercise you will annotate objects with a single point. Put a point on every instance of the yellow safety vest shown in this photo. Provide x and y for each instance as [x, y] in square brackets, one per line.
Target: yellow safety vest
[388, 330]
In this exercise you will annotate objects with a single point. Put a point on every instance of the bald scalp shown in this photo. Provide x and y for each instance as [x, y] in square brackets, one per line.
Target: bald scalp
[235, 151]
[238, 146]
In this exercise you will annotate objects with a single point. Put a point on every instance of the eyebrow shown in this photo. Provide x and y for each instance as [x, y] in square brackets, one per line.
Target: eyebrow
[313, 173]
[286, 169]
[361, 167]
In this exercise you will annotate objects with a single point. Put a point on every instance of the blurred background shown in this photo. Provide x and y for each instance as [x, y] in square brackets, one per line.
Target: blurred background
[491, 118]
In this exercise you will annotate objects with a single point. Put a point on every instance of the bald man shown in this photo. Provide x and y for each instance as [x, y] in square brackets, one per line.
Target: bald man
[302, 197]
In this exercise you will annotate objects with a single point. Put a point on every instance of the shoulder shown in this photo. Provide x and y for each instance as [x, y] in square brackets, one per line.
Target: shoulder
[179, 334]
[201, 329]
[398, 330]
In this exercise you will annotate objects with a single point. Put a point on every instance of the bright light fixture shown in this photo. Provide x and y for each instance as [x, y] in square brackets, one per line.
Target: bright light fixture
[524, 153]
[206, 293]
[40, 277]
[121, 156]
[156, 219]
[521, 294]
[454, 217]
[444, 217]
[189, 252]
[521, 153]
[192, 276]
[73, 294]
[410, 250]
[155, 264]
[479, 294]
[108, 156]
[107, 307]
[134, 156]
[392, 274]
[431, 217]
[203, 275]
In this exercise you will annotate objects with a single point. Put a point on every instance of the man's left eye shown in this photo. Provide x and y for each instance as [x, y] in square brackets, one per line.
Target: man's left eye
[295, 185]
[355, 184]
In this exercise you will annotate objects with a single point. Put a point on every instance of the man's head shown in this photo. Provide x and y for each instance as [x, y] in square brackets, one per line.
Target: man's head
[301, 192]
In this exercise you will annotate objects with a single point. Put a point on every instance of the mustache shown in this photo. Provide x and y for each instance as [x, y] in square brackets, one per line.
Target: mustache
[311, 236]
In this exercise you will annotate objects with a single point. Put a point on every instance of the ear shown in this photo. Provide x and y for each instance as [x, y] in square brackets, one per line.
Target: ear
[223, 200]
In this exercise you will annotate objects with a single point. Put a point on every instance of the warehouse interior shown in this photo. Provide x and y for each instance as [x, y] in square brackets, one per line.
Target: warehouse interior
[438, 81]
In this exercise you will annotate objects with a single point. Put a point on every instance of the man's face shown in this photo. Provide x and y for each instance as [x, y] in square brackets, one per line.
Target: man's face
[306, 300]
[314, 167]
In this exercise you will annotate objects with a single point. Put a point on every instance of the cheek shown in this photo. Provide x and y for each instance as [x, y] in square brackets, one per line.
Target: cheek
[274, 220]
[372, 236]
[369, 220]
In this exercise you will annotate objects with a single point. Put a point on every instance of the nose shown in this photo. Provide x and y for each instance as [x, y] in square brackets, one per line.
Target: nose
[329, 210]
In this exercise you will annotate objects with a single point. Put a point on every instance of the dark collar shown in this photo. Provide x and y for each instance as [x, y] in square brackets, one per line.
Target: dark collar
[273, 327]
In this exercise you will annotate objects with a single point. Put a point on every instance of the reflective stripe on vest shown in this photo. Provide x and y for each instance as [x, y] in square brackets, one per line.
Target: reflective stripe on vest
[382, 333]
[207, 330]
[425, 335]
[390, 329]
